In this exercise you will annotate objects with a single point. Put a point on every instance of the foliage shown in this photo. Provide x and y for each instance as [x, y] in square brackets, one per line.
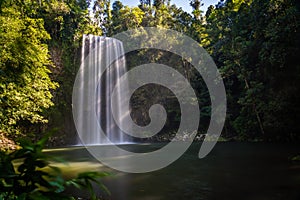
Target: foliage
[25, 85]
[35, 178]
[159, 14]
[295, 158]
[254, 43]
[65, 47]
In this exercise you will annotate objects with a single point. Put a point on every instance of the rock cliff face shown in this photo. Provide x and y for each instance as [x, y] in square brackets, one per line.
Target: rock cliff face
[60, 116]
[6, 143]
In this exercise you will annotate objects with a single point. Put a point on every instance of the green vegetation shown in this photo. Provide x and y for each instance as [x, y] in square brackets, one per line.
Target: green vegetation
[255, 44]
[27, 174]
[39, 50]
[25, 84]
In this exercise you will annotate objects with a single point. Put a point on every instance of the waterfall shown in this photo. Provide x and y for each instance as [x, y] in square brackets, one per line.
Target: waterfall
[102, 64]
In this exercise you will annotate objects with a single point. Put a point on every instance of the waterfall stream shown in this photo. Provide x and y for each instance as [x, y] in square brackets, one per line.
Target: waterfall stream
[102, 65]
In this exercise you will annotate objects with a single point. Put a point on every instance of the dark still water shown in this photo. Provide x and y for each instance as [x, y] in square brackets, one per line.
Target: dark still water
[235, 171]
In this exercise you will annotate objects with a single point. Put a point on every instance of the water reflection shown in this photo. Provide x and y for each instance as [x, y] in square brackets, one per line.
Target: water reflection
[250, 171]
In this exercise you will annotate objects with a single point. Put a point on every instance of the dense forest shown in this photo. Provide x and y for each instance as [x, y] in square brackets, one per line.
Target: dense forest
[254, 43]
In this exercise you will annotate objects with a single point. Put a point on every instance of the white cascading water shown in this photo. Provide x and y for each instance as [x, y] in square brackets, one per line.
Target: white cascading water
[98, 75]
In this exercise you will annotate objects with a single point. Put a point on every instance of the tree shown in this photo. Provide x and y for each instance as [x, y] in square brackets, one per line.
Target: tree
[145, 3]
[25, 85]
[248, 40]
[102, 14]
[196, 4]
[158, 3]
[65, 50]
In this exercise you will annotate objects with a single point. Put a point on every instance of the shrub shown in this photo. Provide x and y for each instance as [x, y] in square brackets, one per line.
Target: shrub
[35, 179]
